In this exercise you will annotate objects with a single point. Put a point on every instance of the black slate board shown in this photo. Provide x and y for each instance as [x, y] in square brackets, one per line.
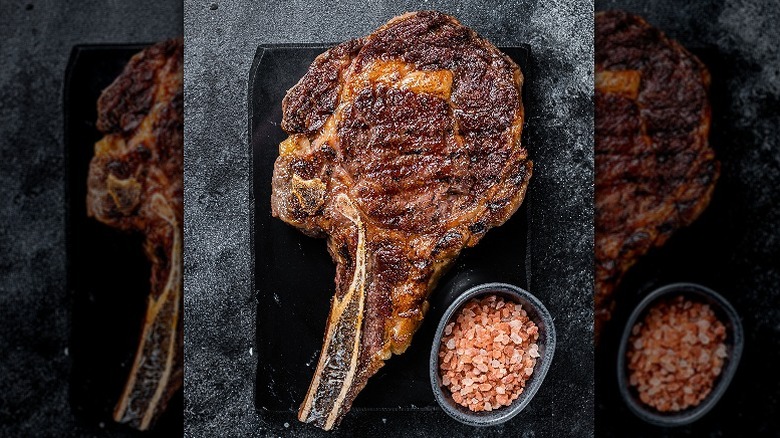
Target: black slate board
[107, 271]
[293, 273]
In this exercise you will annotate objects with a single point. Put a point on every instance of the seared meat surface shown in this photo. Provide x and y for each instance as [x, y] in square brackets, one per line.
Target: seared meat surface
[655, 170]
[135, 185]
[404, 149]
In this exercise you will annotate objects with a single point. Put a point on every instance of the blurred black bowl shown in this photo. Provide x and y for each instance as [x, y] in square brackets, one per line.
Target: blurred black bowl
[734, 343]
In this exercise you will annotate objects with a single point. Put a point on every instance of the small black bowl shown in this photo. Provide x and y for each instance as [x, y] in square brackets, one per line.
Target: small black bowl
[546, 342]
[734, 343]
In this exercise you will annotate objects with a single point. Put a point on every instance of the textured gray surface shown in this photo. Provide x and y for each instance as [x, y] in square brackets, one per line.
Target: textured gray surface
[740, 40]
[37, 37]
[220, 307]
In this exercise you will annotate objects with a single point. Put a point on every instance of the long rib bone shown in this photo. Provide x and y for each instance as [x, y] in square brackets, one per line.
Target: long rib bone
[330, 393]
[155, 375]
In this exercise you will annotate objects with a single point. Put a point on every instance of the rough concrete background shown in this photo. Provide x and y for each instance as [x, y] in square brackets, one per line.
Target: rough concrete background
[37, 37]
[741, 40]
[220, 306]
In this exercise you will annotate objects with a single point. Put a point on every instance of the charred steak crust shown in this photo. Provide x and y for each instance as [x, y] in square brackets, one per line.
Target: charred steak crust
[135, 184]
[655, 170]
[404, 149]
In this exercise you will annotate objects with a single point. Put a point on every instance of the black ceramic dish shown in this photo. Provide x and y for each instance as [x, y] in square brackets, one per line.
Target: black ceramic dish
[537, 313]
[107, 271]
[734, 344]
[293, 273]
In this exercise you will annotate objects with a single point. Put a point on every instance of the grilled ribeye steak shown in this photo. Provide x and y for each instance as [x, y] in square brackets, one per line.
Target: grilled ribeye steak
[404, 149]
[655, 170]
[135, 184]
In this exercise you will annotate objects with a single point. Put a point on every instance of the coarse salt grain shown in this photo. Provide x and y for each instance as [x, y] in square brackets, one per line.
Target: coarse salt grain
[675, 354]
[488, 353]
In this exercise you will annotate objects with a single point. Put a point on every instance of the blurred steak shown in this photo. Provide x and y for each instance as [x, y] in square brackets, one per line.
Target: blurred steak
[135, 184]
[655, 170]
[404, 149]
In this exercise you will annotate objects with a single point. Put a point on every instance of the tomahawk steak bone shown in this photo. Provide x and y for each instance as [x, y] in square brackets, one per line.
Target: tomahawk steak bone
[135, 184]
[403, 149]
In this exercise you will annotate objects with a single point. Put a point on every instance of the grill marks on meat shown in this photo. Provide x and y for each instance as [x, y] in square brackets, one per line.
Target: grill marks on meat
[135, 184]
[655, 170]
[404, 149]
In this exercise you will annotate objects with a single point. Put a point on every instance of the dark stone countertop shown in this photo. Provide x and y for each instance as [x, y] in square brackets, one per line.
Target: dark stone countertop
[220, 306]
[37, 37]
[740, 42]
